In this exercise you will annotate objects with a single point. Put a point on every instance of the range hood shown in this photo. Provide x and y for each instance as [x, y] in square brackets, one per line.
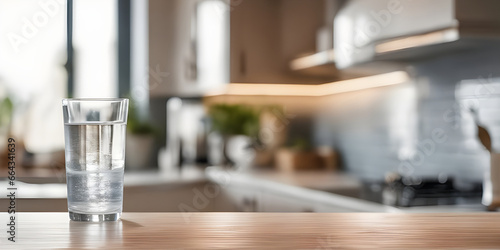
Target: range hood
[408, 30]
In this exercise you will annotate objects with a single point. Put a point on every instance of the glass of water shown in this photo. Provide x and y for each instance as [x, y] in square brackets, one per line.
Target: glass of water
[94, 132]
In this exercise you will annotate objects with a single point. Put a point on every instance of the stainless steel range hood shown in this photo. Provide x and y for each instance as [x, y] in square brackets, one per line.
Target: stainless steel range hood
[408, 30]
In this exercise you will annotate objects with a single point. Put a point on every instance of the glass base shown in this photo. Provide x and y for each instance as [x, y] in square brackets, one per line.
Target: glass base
[94, 217]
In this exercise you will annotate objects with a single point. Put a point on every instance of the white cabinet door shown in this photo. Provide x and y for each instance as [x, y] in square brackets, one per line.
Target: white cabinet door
[238, 198]
[360, 23]
[272, 202]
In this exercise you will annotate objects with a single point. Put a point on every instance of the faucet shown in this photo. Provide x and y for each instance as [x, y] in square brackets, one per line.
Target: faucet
[491, 182]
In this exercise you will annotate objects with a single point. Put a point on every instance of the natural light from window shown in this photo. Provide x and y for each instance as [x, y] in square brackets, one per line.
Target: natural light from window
[95, 44]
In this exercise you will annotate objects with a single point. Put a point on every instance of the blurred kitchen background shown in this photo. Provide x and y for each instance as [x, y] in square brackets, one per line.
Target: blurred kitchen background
[262, 105]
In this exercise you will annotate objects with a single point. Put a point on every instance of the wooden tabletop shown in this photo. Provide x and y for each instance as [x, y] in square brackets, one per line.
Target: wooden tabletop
[257, 231]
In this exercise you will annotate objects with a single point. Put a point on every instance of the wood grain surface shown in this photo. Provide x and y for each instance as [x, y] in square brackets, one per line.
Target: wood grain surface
[258, 231]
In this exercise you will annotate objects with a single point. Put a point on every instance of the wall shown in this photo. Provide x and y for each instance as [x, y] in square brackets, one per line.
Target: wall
[415, 128]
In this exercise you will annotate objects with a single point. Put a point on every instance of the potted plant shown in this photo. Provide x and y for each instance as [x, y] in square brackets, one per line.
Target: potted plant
[6, 109]
[235, 129]
[140, 140]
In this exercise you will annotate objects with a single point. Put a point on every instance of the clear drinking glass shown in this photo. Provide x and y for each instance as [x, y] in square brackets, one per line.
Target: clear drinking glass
[94, 132]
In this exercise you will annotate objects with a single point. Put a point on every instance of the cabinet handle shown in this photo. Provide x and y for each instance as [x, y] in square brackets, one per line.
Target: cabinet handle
[249, 205]
[243, 63]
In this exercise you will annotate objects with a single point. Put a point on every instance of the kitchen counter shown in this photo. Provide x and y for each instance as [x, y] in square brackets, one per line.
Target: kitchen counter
[54, 187]
[324, 191]
[251, 190]
[145, 191]
[258, 231]
[272, 191]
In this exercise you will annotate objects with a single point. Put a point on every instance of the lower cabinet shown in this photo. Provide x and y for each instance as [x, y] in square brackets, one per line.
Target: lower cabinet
[276, 203]
[243, 193]
[240, 194]
[242, 198]
[236, 198]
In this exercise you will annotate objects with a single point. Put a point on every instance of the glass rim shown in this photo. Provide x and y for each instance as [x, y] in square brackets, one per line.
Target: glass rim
[73, 108]
[95, 99]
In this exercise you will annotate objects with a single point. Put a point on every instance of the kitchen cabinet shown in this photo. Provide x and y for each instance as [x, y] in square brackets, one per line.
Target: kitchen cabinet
[248, 42]
[238, 198]
[167, 198]
[188, 47]
[359, 24]
[143, 192]
[241, 191]
[393, 30]
[265, 35]
[271, 202]
[250, 198]
[255, 41]
[151, 198]
[243, 198]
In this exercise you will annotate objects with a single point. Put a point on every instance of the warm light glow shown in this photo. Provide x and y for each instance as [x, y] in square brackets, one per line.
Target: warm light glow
[319, 58]
[442, 36]
[257, 89]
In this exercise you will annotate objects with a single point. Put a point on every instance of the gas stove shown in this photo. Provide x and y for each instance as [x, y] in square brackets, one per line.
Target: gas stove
[409, 192]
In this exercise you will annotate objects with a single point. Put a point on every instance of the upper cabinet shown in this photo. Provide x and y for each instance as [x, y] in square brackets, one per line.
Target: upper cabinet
[402, 30]
[196, 46]
[188, 47]
[268, 35]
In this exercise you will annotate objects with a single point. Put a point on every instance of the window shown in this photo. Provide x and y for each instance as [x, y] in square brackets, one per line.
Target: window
[33, 56]
[95, 28]
[32, 59]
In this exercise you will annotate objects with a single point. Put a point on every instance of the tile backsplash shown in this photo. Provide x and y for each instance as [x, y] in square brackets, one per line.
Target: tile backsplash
[417, 128]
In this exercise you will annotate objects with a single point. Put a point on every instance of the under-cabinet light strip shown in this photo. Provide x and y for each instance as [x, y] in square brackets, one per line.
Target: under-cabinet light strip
[264, 89]
[442, 36]
[309, 61]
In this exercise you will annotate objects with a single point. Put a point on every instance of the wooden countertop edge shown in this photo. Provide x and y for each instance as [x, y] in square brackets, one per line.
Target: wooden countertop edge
[260, 231]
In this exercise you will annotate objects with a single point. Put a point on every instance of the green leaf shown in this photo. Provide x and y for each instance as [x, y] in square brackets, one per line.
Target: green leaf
[6, 108]
[234, 119]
